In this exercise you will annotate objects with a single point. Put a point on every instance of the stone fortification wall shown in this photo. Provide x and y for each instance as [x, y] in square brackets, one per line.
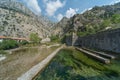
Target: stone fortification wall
[107, 40]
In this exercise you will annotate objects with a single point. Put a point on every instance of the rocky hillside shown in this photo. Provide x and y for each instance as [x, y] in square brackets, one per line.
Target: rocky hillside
[90, 22]
[18, 21]
[60, 27]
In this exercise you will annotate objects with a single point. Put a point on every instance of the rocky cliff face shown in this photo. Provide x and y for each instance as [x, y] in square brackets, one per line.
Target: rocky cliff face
[18, 21]
[92, 21]
[60, 27]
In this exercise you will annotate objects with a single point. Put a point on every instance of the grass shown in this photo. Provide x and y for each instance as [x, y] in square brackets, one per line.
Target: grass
[70, 64]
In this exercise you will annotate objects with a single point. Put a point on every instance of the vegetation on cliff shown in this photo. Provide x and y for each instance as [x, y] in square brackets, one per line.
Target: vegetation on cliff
[16, 20]
[90, 22]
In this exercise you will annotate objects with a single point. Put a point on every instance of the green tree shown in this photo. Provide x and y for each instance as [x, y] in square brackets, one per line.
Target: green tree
[34, 38]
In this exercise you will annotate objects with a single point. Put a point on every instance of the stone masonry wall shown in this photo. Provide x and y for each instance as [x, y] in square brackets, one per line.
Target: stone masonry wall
[107, 40]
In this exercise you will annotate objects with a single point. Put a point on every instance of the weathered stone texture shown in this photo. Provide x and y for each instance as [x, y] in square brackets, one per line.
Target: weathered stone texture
[107, 40]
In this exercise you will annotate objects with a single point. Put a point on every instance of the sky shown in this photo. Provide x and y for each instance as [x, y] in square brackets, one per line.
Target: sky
[55, 10]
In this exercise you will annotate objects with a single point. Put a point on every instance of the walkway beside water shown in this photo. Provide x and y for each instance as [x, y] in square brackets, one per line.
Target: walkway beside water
[29, 75]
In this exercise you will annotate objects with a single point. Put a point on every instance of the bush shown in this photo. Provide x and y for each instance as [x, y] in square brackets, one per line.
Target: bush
[8, 44]
[54, 38]
[23, 43]
[105, 23]
[82, 33]
[116, 18]
[63, 40]
[34, 38]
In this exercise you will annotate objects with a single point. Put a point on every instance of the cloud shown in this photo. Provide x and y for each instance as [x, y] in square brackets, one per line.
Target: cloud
[53, 6]
[89, 8]
[59, 17]
[86, 10]
[83, 11]
[33, 5]
[70, 12]
[115, 1]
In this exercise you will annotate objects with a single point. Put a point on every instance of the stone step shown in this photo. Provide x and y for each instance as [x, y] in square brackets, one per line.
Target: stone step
[101, 53]
[97, 57]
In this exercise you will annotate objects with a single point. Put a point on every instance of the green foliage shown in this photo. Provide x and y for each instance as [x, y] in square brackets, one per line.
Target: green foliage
[93, 29]
[96, 28]
[70, 64]
[89, 30]
[81, 34]
[116, 18]
[55, 38]
[63, 40]
[87, 61]
[104, 24]
[8, 44]
[34, 38]
[23, 43]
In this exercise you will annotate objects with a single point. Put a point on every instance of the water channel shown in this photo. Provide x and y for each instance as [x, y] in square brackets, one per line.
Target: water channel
[70, 64]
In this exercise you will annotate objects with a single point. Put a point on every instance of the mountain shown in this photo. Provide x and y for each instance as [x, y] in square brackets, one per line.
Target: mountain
[90, 22]
[60, 26]
[16, 20]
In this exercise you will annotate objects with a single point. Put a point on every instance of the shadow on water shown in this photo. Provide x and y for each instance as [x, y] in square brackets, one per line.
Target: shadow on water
[73, 65]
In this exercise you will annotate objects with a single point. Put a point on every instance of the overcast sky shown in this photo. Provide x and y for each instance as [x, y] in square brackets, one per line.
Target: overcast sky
[57, 9]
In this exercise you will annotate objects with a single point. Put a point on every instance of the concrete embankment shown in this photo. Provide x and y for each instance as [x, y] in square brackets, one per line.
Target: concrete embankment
[29, 75]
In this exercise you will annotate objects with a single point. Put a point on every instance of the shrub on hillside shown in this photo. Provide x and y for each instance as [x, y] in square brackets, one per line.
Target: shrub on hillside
[116, 18]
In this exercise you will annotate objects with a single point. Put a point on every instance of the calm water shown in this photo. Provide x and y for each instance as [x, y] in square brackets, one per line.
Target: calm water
[74, 65]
